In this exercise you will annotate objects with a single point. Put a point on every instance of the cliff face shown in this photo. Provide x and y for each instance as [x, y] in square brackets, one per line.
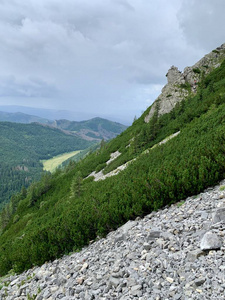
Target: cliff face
[180, 85]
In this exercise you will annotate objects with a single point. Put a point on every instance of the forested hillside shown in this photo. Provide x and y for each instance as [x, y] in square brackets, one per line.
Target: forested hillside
[22, 148]
[66, 210]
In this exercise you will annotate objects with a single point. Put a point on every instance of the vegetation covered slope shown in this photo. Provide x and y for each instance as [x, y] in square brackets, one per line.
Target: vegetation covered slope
[22, 148]
[66, 210]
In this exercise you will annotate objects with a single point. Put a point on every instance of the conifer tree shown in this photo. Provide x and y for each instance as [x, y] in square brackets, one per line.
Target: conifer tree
[77, 185]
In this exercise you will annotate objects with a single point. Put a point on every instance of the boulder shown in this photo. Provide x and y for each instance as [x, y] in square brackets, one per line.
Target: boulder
[219, 216]
[210, 241]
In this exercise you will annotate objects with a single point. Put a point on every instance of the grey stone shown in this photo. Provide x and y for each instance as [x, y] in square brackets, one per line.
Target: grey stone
[153, 235]
[84, 267]
[126, 227]
[177, 297]
[146, 246]
[199, 281]
[114, 281]
[120, 237]
[136, 287]
[210, 241]
[61, 280]
[47, 293]
[219, 216]
[40, 296]
[195, 254]
[15, 281]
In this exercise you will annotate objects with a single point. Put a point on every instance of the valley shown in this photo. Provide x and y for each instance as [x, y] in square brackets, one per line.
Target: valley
[26, 145]
[23, 146]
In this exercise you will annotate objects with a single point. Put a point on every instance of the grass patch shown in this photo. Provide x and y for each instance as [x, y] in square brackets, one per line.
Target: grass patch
[197, 70]
[179, 204]
[52, 163]
[222, 188]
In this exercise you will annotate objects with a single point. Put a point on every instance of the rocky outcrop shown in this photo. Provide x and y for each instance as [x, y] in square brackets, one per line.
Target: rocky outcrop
[21, 168]
[175, 253]
[180, 85]
[174, 75]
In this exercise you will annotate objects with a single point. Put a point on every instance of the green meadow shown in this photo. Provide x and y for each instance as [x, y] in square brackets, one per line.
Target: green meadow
[52, 163]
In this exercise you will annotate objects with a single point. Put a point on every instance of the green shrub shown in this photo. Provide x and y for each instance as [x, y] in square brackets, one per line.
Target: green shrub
[100, 167]
[185, 85]
[197, 70]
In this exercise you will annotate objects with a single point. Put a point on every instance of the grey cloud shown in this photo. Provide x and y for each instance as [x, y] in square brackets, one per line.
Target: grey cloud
[98, 55]
[9, 86]
[203, 22]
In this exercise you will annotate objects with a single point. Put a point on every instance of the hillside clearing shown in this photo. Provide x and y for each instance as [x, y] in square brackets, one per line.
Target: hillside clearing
[52, 163]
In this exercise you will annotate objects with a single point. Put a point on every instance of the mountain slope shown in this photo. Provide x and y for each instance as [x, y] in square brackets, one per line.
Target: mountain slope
[145, 258]
[63, 213]
[96, 128]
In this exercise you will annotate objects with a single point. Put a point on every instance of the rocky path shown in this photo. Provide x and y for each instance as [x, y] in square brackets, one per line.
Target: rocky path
[175, 253]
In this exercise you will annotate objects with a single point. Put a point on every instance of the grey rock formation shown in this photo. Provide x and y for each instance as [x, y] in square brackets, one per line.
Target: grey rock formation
[157, 257]
[180, 85]
[174, 75]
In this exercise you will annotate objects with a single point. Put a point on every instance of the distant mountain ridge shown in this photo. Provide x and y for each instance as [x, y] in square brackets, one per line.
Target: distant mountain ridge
[19, 117]
[45, 113]
[61, 114]
[93, 129]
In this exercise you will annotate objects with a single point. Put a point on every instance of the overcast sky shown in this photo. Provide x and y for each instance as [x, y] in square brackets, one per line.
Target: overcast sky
[107, 58]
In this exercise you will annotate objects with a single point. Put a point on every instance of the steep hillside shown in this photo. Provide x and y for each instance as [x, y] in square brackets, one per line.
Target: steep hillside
[96, 129]
[174, 253]
[171, 157]
[22, 148]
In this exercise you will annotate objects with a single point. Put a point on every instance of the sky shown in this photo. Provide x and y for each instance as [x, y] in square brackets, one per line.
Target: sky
[105, 58]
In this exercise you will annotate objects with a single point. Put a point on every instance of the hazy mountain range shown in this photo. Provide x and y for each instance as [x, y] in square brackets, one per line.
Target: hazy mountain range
[55, 114]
